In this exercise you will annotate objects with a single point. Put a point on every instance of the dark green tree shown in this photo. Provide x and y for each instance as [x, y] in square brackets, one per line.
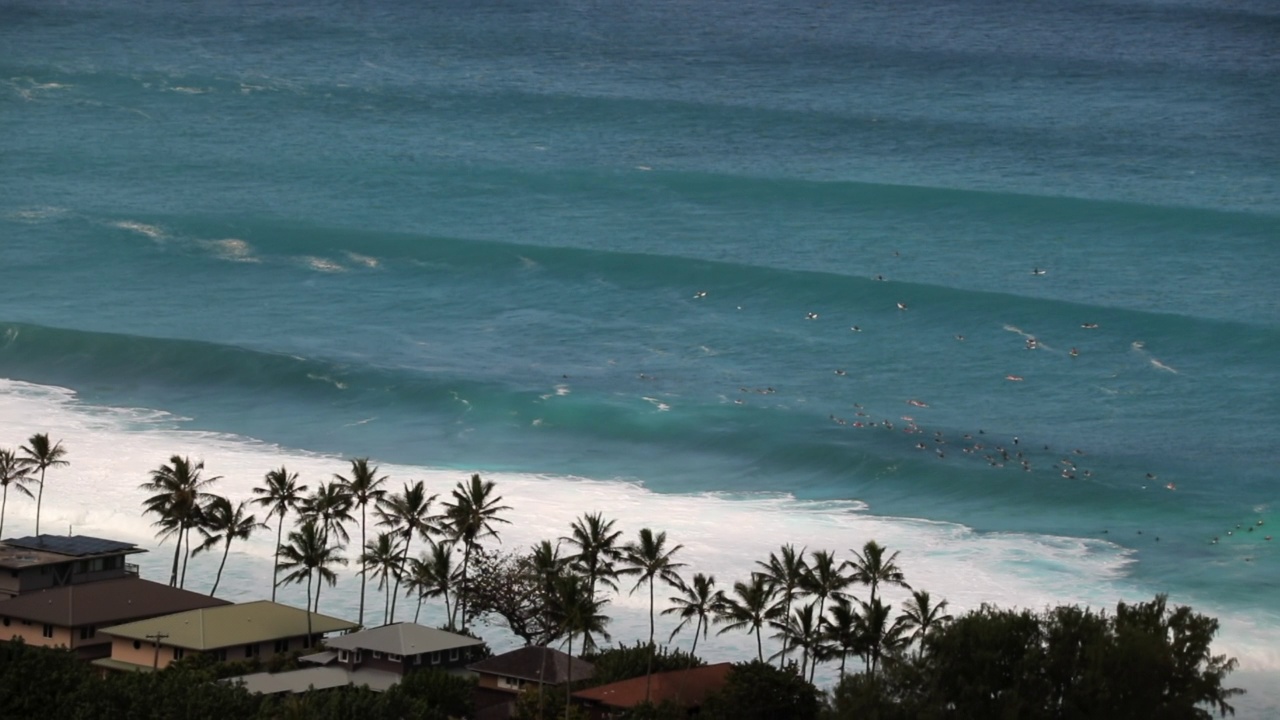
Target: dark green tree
[760, 691]
[650, 560]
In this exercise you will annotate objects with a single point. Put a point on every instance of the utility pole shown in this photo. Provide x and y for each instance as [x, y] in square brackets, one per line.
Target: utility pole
[155, 639]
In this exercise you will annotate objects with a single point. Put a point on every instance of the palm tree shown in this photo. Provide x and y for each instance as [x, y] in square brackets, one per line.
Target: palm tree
[40, 455]
[469, 517]
[308, 553]
[823, 580]
[879, 636]
[12, 472]
[382, 556]
[921, 615]
[597, 544]
[575, 612]
[433, 575]
[364, 487]
[801, 628]
[699, 600]
[750, 607]
[221, 523]
[179, 492]
[407, 513]
[330, 506]
[281, 494]
[871, 567]
[841, 630]
[786, 575]
[650, 560]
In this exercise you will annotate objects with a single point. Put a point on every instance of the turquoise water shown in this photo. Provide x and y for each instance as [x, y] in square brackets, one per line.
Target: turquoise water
[630, 244]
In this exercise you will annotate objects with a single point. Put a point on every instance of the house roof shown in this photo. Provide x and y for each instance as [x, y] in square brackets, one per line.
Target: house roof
[18, 553]
[684, 687]
[104, 602]
[315, 678]
[539, 664]
[402, 639]
[230, 625]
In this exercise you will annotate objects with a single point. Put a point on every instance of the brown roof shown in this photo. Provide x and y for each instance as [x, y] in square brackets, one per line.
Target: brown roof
[538, 664]
[684, 687]
[105, 602]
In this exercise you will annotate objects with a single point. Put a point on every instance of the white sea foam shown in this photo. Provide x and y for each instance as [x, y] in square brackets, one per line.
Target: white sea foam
[112, 449]
[322, 264]
[233, 249]
[151, 231]
[36, 214]
[365, 260]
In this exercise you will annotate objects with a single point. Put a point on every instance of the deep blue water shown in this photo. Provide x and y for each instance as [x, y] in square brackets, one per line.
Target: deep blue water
[632, 242]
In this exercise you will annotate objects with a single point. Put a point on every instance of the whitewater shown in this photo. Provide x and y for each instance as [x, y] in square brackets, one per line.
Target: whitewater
[991, 284]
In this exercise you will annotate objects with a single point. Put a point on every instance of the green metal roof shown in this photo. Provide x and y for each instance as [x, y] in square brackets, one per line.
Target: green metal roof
[230, 625]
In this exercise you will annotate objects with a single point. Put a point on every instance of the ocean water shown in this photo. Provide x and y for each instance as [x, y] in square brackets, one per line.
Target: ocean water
[750, 272]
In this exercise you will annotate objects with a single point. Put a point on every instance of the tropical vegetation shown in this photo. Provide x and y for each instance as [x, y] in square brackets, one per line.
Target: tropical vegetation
[916, 659]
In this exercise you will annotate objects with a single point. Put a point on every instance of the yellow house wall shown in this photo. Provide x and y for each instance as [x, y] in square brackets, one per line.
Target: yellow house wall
[33, 634]
[122, 649]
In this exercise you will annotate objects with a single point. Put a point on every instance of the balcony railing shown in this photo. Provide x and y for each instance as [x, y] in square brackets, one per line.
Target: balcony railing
[131, 568]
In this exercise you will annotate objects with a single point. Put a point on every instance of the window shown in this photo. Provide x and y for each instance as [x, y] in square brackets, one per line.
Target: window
[137, 644]
[251, 650]
[453, 654]
[47, 631]
[6, 622]
[343, 656]
[178, 653]
[394, 657]
[220, 655]
[88, 631]
[417, 659]
[510, 683]
[377, 654]
[282, 646]
[357, 656]
[435, 657]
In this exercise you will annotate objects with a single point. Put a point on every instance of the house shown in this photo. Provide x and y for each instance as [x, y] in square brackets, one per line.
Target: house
[404, 647]
[34, 563]
[686, 688]
[378, 657]
[70, 615]
[501, 678]
[228, 632]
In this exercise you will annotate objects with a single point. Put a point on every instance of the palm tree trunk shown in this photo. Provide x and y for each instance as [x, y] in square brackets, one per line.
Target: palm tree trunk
[648, 671]
[3, 504]
[843, 657]
[363, 568]
[39, 502]
[568, 683]
[182, 581]
[308, 641]
[275, 568]
[403, 560]
[217, 579]
[177, 553]
[448, 613]
[759, 645]
[418, 612]
[319, 582]
[462, 604]
[782, 659]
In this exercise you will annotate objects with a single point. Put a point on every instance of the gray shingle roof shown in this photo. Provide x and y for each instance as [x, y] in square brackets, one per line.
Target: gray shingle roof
[402, 639]
[537, 664]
